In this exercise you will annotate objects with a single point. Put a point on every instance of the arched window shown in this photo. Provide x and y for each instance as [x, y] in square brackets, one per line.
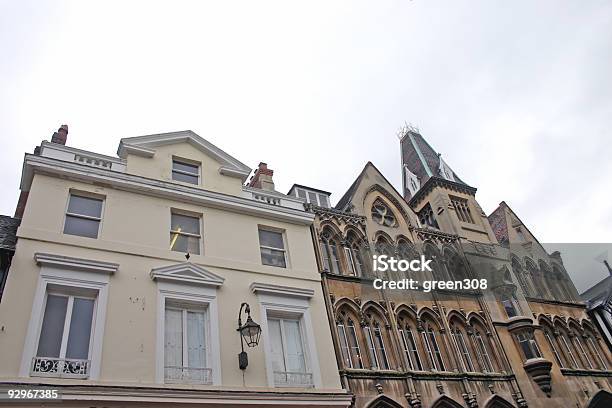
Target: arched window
[376, 343]
[567, 350]
[459, 341]
[528, 344]
[484, 358]
[576, 337]
[551, 339]
[432, 346]
[455, 267]
[536, 278]
[481, 338]
[431, 252]
[355, 255]
[595, 349]
[408, 338]
[382, 214]
[549, 281]
[349, 343]
[384, 247]
[330, 245]
[522, 277]
[511, 304]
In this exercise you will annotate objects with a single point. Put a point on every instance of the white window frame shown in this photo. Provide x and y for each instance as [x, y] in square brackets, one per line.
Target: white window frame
[462, 350]
[481, 348]
[276, 301]
[568, 349]
[84, 194]
[206, 299]
[344, 346]
[594, 346]
[554, 349]
[76, 274]
[318, 195]
[431, 352]
[285, 250]
[188, 162]
[410, 352]
[582, 351]
[176, 211]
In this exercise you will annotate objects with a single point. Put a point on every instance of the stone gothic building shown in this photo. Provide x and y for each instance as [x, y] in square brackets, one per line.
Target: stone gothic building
[524, 341]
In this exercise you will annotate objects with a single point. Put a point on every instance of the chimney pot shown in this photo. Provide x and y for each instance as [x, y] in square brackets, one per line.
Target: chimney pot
[61, 135]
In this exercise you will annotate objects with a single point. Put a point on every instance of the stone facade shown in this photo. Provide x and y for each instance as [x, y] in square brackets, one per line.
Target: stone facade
[524, 341]
[129, 274]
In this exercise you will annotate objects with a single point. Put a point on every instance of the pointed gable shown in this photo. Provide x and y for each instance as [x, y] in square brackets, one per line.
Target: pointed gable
[371, 179]
[145, 146]
[187, 272]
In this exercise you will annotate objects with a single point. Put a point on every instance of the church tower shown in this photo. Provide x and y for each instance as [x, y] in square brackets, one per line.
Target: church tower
[437, 194]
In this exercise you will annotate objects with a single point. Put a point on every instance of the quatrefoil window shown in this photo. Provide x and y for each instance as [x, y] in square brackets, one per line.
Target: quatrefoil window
[383, 215]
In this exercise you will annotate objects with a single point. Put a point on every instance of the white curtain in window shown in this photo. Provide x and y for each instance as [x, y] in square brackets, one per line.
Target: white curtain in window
[276, 345]
[80, 329]
[196, 344]
[53, 326]
[295, 351]
[173, 345]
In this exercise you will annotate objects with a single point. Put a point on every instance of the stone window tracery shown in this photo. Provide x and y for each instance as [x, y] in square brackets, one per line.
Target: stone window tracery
[408, 341]
[382, 214]
[349, 343]
[330, 251]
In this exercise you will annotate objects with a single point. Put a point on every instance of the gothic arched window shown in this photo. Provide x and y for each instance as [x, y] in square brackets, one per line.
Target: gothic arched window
[432, 347]
[355, 254]
[459, 338]
[375, 341]
[330, 250]
[349, 343]
[382, 214]
[408, 339]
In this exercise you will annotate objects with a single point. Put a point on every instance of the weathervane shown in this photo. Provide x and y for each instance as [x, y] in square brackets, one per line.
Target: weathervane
[405, 128]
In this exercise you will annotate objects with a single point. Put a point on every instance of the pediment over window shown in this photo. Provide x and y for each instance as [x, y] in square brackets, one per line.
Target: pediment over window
[187, 273]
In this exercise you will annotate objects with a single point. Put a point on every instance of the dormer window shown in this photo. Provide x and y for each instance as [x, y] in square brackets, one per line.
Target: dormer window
[313, 197]
[383, 215]
[185, 172]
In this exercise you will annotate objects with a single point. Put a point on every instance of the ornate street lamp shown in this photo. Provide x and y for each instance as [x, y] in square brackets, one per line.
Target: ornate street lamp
[249, 333]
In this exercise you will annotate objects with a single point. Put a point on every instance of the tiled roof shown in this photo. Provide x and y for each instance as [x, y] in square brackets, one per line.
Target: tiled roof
[8, 232]
[423, 161]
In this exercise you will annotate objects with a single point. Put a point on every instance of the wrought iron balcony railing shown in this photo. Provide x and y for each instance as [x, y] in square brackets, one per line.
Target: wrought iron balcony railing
[60, 367]
[188, 375]
[293, 379]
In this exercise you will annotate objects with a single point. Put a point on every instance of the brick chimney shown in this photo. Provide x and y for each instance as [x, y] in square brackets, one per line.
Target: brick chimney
[61, 135]
[262, 178]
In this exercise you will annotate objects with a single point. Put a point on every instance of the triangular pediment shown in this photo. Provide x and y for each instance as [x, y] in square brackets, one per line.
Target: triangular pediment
[145, 146]
[187, 272]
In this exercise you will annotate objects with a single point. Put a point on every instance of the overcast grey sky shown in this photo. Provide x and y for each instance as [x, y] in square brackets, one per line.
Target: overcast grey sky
[516, 95]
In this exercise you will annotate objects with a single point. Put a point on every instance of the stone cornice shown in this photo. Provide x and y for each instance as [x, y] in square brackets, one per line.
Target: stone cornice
[433, 182]
[68, 262]
[278, 290]
[164, 189]
[580, 305]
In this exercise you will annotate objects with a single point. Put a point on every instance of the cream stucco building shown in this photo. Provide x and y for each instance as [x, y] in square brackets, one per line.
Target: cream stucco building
[102, 302]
